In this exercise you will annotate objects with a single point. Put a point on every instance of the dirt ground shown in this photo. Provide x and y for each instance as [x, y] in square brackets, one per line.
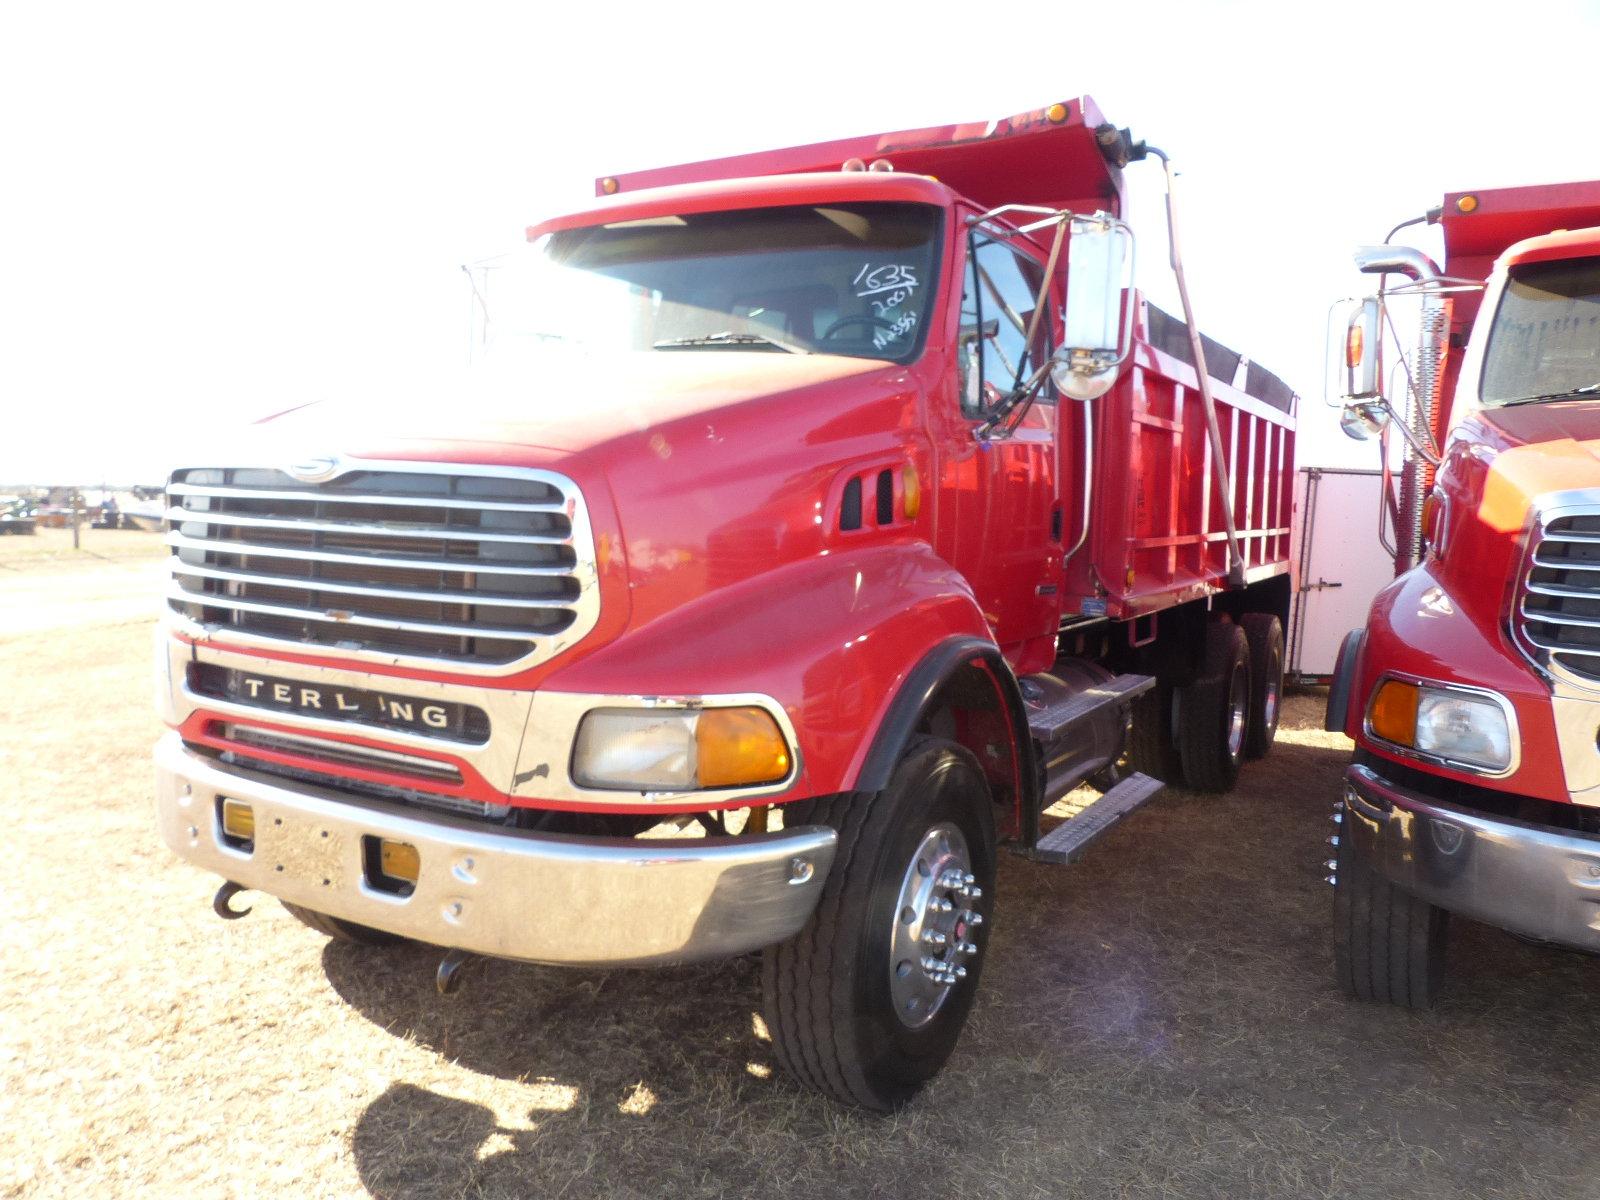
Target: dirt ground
[1157, 1021]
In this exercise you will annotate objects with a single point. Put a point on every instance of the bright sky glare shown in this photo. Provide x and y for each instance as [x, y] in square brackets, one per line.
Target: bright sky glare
[216, 211]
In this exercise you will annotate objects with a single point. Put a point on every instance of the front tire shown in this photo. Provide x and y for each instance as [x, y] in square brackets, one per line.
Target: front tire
[867, 1001]
[1388, 946]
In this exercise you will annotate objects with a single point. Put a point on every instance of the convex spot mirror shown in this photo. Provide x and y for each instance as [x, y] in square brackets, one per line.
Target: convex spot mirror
[1097, 328]
[1362, 420]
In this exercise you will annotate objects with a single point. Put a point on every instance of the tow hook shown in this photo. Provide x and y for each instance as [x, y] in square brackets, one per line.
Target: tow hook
[220, 905]
[451, 973]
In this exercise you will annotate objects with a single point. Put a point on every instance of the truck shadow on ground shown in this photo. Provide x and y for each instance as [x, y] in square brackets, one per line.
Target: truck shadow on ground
[1159, 1019]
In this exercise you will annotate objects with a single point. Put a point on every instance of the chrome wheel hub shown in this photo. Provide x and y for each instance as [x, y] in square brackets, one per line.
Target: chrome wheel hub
[935, 926]
[1238, 712]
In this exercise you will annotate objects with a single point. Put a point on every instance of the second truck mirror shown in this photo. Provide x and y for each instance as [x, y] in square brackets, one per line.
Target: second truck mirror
[1095, 330]
[1361, 351]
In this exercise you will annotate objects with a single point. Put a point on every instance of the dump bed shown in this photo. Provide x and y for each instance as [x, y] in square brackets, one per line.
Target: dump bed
[1157, 529]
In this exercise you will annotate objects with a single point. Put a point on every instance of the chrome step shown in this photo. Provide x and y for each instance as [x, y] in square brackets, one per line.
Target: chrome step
[1068, 840]
[1048, 724]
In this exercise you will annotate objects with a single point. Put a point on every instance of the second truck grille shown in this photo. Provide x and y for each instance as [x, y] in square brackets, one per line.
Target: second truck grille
[1558, 609]
[464, 565]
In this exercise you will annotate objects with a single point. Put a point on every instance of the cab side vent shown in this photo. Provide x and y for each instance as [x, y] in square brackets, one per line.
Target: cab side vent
[850, 508]
[885, 497]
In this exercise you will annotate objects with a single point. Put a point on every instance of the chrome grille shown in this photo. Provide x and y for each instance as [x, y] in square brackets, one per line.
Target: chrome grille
[421, 563]
[1558, 606]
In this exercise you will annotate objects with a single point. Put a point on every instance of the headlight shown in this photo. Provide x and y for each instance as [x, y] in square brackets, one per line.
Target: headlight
[1469, 728]
[679, 750]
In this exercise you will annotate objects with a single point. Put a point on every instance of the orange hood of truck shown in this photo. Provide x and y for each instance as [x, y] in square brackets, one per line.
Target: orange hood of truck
[561, 402]
[1543, 448]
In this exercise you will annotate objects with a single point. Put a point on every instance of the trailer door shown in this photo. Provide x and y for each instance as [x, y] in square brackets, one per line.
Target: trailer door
[1341, 565]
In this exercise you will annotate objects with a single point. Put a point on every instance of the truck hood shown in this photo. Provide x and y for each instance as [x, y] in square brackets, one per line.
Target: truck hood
[1539, 448]
[559, 401]
[1528, 424]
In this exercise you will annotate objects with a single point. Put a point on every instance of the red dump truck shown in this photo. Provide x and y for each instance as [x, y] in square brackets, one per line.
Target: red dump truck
[815, 521]
[1473, 692]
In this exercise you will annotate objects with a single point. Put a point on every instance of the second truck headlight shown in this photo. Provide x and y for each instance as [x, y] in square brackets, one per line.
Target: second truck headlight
[679, 750]
[1461, 727]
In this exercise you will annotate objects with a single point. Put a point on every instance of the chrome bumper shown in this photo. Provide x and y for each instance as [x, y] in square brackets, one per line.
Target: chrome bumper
[1542, 883]
[538, 897]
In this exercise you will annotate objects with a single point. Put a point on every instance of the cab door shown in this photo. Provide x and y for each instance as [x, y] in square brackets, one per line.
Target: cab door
[999, 519]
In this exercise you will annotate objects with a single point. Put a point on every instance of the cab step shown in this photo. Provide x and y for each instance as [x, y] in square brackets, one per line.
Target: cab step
[1050, 722]
[1068, 840]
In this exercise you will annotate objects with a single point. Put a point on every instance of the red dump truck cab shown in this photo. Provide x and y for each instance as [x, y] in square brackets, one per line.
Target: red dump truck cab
[1473, 693]
[781, 562]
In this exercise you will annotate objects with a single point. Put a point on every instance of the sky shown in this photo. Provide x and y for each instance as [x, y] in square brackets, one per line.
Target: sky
[216, 211]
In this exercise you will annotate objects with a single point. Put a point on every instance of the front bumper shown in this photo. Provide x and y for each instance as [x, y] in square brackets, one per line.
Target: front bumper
[1539, 882]
[538, 897]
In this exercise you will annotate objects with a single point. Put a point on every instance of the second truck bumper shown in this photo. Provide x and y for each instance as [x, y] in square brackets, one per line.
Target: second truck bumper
[508, 893]
[1539, 882]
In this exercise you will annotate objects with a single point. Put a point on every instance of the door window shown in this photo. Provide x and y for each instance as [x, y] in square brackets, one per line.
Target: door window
[997, 301]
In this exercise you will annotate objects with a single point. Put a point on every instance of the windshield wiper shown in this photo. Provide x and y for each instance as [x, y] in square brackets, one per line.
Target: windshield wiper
[728, 338]
[1577, 393]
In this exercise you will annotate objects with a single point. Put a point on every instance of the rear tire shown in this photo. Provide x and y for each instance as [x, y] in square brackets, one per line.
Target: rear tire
[1151, 750]
[1264, 633]
[1388, 946]
[851, 1009]
[1214, 710]
[341, 930]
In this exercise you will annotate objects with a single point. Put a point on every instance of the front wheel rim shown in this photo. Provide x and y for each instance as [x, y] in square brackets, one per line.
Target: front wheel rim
[935, 926]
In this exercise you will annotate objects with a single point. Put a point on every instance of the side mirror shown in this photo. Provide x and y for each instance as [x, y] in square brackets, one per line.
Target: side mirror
[1097, 328]
[1361, 340]
[1363, 420]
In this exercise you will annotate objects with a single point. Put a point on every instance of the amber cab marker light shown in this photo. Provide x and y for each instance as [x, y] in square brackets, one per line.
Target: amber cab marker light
[911, 491]
[1393, 715]
[1467, 204]
[739, 746]
[608, 186]
[1057, 113]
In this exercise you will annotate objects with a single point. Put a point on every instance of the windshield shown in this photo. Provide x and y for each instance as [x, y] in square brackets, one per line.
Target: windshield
[851, 279]
[1545, 341]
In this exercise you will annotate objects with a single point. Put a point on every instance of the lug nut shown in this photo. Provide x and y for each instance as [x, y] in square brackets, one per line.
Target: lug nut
[967, 948]
[934, 938]
[942, 906]
[1334, 840]
[1337, 818]
[959, 973]
[1331, 879]
[973, 919]
[1332, 864]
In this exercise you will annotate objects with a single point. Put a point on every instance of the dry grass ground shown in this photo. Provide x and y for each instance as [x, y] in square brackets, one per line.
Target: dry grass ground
[1158, 1021]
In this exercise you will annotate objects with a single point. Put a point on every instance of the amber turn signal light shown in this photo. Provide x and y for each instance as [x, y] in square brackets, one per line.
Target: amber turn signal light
[739, 746]
[1354, 344]
[1393, 714]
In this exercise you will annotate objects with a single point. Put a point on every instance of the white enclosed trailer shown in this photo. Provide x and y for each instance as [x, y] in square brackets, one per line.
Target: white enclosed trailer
[1339, 563]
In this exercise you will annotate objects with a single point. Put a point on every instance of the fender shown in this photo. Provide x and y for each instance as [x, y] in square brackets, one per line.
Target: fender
[1418, 628]
[832, 639]
[1337, 717]
[920, 693]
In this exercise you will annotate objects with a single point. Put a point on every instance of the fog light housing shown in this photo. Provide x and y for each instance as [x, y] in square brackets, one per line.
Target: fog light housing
[679, 750]
[238, 822]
